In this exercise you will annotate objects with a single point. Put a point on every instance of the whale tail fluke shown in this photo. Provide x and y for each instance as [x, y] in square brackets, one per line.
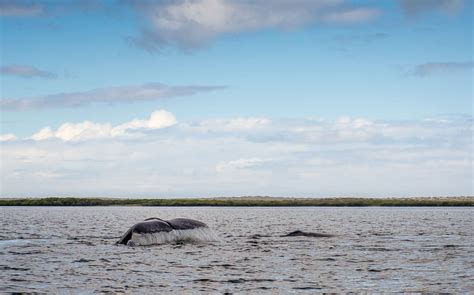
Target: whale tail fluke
[155, 231]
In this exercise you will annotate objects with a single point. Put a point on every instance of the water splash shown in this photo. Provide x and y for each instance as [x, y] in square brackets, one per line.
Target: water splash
[196, 235]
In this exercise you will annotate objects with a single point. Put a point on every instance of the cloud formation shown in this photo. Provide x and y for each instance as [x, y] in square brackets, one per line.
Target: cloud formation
[417, 7]
[25, 71]
[19, 8]
[243, 163]
[7, 137]
[161, 157]
[110, 95]
[433, 68]
[194, 23]
[89, 130]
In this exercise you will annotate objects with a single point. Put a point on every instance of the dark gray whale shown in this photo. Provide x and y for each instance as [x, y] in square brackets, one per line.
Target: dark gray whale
[299, 233]
[158, 231]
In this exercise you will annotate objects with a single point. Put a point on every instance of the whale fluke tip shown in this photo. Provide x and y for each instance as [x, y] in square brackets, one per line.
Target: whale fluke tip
[299, 233]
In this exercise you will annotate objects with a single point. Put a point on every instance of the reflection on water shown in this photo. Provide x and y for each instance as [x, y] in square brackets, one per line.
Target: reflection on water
[67, 249]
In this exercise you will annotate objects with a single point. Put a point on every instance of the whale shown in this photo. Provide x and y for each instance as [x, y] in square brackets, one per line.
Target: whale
[299, 233]
[155, 231]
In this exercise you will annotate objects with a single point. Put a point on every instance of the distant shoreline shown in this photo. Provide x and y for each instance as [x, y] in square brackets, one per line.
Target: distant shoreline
[247, 202]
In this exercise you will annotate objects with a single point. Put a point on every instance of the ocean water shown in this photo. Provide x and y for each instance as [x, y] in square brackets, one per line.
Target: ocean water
[72, 250]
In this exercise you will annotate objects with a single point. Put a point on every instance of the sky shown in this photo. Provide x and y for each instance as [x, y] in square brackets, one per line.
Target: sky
[205, 98]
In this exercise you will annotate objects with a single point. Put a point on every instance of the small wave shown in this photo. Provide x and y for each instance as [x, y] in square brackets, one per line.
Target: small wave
[196, 235]
[16, 242]
[83, 260]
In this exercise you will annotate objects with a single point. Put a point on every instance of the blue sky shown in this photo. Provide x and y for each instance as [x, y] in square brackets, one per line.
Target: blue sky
[267, 87]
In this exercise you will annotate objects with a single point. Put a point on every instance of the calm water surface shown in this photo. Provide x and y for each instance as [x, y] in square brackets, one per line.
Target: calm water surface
[71, 249]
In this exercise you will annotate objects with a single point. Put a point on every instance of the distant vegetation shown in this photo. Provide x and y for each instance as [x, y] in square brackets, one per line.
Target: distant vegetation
[243, 201]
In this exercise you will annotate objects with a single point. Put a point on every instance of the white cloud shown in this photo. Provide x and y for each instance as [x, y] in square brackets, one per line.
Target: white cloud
[7, 137]
[84, 131]
[246, 123]
[240, 164]
[347, 122]
[44, 133]
[89, 130]
[193, 23]
[347, 156]
[235, 124]
[158, 119]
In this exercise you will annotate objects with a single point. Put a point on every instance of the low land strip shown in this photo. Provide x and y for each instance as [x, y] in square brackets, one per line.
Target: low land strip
[242, 201]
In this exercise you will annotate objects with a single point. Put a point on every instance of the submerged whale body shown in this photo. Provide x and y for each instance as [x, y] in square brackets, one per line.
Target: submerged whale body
[154, 231]
[299, 233]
